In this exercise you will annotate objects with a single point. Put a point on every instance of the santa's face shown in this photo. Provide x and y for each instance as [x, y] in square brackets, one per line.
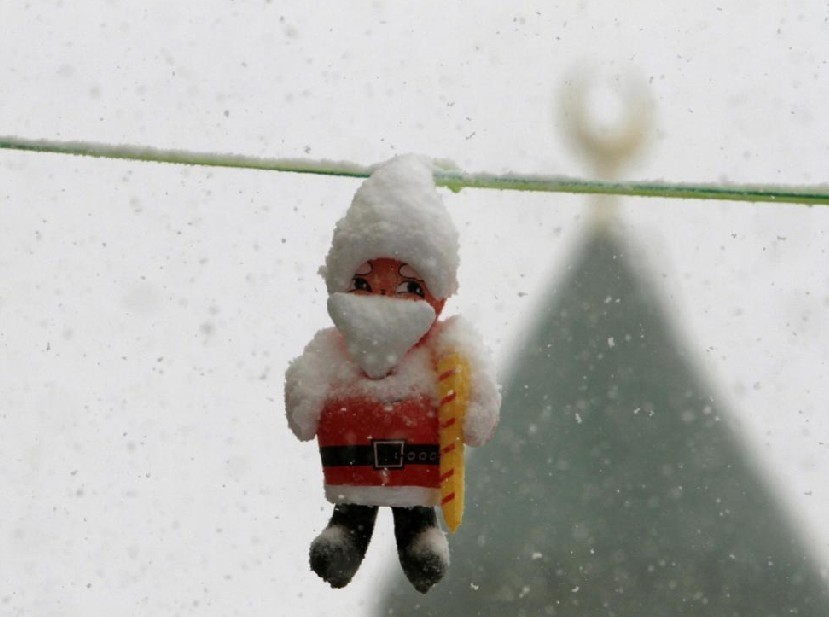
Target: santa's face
[389, 277]
[386, 311]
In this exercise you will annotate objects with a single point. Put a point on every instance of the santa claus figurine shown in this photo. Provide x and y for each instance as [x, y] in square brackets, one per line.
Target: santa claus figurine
[391, 393]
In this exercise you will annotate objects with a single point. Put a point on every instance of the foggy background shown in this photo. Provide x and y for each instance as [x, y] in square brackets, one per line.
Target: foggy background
[147, 312]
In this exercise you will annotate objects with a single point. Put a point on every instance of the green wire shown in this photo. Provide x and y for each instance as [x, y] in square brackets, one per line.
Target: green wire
[452, 180]
[758, 193]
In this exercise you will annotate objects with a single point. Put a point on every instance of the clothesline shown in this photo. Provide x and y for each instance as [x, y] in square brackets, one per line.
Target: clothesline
[451, 179]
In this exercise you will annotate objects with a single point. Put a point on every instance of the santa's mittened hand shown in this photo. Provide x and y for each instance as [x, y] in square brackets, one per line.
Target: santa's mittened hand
[480, 424]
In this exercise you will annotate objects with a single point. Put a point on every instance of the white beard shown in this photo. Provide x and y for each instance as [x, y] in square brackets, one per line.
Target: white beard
[379, 330]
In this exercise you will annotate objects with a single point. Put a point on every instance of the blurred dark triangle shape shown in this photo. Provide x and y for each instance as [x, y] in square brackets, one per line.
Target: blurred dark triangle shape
[615, 485]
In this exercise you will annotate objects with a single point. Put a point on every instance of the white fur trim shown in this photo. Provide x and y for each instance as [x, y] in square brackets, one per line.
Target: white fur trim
[397, 496]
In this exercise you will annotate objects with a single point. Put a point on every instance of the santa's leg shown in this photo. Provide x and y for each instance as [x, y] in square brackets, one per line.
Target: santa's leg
[338, 551]
[421, 546]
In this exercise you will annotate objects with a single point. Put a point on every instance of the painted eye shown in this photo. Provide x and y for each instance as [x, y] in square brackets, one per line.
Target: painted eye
[358, 283]
[411, 287]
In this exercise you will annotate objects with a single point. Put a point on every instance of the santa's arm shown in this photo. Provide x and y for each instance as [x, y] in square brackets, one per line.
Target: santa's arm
[306, 386]
[484, 402]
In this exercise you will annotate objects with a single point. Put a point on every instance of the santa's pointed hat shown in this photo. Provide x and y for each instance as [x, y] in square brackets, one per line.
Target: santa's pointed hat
[396, 213]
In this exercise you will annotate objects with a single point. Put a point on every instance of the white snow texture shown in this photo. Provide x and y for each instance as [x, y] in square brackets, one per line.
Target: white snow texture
[397, 213]
[431, 541]
[379, 330]
[391, 496]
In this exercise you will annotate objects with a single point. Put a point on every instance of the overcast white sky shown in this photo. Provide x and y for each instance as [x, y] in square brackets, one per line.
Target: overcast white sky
[147, 312]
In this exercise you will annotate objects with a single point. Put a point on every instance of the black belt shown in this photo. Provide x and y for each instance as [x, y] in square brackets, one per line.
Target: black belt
[381, 454]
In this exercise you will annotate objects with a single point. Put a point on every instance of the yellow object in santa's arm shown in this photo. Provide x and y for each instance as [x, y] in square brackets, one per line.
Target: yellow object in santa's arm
[453, 397]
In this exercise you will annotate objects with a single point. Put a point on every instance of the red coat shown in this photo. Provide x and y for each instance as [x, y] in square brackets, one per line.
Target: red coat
[366, 442]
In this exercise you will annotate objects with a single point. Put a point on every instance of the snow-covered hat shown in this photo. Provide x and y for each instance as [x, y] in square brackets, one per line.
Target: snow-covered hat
[396, 213]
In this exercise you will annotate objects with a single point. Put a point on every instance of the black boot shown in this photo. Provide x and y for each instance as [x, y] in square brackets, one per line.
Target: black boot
[421, 546]
[338, 551]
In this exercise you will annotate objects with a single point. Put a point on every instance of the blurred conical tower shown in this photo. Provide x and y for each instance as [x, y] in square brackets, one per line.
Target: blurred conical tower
[616, 485]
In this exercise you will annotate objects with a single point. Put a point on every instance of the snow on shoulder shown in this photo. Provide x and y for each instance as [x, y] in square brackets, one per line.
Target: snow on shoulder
[483, 412]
